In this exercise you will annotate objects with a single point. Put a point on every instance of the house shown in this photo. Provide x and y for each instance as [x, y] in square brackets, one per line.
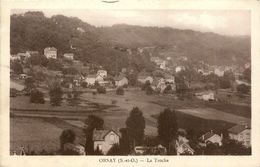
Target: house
[102, 73]
[211, 137]
[182, 146]
[179, 69]
[240, 133]
[68, 56]
[120, 81]
[105, 139]
[206, 95]
[15, 57]
[50, 52]
[90, 79]
[23, 56]
[219, 72]
[23, 76]
[143, 78]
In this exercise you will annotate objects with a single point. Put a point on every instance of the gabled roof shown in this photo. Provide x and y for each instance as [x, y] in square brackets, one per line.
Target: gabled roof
[238, 129]
[99, 135]
[206, 136]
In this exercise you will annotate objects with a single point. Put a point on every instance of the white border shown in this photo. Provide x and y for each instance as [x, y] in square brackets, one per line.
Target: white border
[63, 161]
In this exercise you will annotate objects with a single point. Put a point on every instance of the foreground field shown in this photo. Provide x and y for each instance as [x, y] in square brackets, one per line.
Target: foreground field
[29, 119]
[38, 134]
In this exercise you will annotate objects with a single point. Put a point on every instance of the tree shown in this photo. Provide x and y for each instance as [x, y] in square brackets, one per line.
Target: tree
[124, 141]
[149, 90]
[17, 67]
[146, 84]
[243, 89]
[167, 126]
[135, 125]
[55, 94]
[70, 71]
[168, 89]
[54, 64]
[101, 89]
[73, 98]
[29, 83]
[38, 60]
[120, 91]
[92, 122]
[247, 74]
[67, 136]
[37, 97]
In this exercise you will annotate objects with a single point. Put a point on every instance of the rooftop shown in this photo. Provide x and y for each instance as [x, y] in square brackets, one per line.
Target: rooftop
[99, 135]
[238, 129]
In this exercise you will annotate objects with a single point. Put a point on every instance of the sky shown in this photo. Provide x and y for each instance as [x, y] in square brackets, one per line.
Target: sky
[225, 22]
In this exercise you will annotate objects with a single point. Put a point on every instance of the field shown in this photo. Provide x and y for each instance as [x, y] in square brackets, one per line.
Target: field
[192, 115]
[38, 133]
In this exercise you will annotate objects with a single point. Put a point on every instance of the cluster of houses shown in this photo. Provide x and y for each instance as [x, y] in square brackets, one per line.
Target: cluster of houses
[49, 52]
[104, 140]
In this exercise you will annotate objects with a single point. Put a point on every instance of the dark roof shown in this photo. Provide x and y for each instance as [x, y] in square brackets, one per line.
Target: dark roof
[238, 129]
[99, 135]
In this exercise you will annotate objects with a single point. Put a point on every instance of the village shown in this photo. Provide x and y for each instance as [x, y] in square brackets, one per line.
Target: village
[195, 84]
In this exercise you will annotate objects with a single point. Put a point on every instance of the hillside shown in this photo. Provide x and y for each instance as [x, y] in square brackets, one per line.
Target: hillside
[34, 31]
[209, 47]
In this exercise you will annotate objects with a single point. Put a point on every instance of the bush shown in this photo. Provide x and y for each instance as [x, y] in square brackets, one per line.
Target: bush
[55, 94]
[37, 97]
[120, 91]
[149, 90]
[101, 89]
[168, 89]
[243, 89]
[146, 85]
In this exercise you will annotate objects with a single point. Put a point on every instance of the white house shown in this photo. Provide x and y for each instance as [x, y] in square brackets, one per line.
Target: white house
[219, 72]
[241, 133]
[182, 146]
[15, 57]
[102, 73]
[50, 52]
[69, 56]
[90, 79]
[120, 81]
[206, 96]
[179, 68]
[105, 139]
[211, 137]
[143, 78]
[23, 56]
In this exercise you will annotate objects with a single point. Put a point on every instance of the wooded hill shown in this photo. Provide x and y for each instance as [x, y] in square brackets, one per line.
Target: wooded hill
[100, 45]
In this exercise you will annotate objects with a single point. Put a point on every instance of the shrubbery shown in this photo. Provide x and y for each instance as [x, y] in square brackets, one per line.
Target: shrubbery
[120, 91]
[149, 90]
[101, 89]
[37, 97]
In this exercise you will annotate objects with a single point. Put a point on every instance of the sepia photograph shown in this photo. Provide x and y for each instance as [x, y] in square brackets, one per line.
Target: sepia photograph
[130, 82]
